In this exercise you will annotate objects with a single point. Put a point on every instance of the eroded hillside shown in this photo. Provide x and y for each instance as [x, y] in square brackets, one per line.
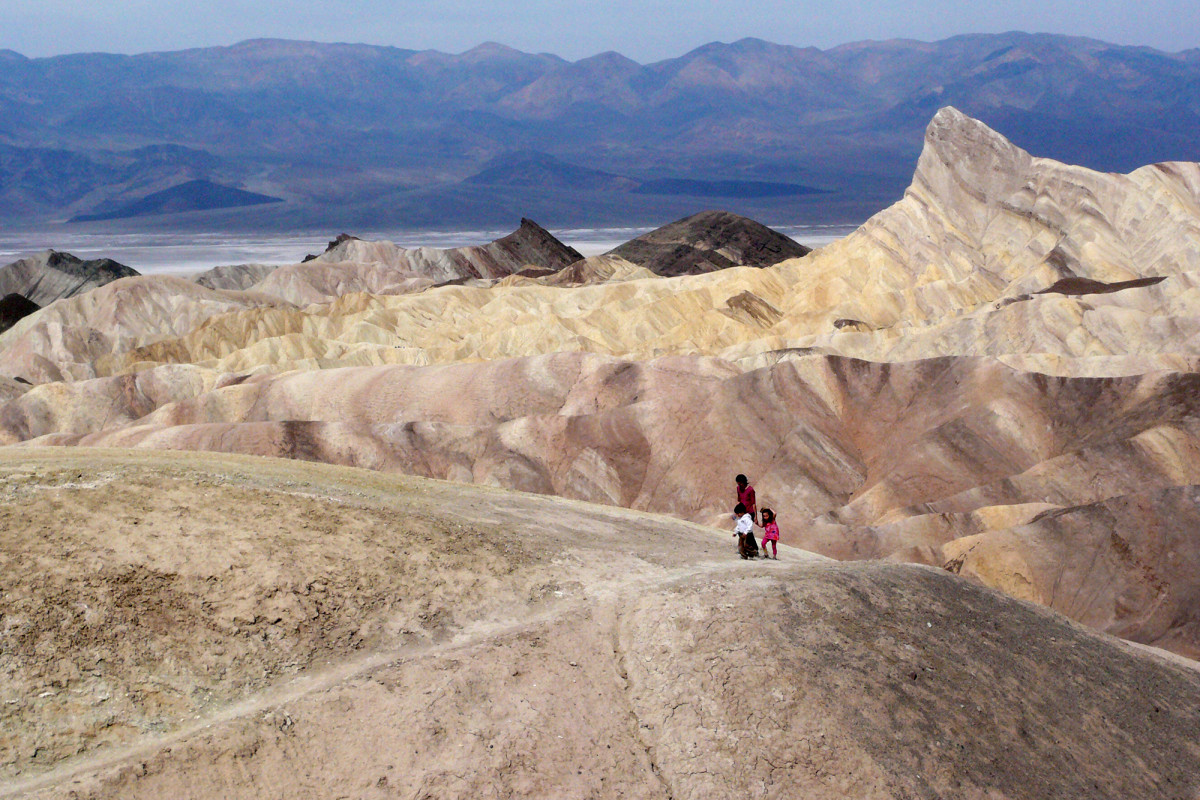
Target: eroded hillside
[352, 632]
[971, 379]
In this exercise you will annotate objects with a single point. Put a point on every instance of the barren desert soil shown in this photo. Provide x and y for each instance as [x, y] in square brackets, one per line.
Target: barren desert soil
[200, 625]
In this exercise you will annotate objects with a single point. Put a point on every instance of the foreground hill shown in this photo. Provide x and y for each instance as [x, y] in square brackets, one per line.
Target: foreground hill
[530, 645]
[918, 461]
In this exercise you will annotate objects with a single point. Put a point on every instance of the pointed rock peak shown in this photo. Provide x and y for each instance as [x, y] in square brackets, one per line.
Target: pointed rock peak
[949, 120]
[950, 116]
[341, 238]
[347, 247]
[54, 258]
[530, 231]
[952, 130]
[492, 50]
[610, 59]
[529, 226]
[751, 44]
[537, 246]
[51, 275]
[97, 268]
[970, 153]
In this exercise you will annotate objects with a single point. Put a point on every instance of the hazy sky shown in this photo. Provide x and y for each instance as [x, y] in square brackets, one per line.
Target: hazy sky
[641, 29]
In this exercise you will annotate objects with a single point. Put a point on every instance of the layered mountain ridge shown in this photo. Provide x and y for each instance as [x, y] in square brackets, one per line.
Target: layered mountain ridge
[350, 265]
[971, 379]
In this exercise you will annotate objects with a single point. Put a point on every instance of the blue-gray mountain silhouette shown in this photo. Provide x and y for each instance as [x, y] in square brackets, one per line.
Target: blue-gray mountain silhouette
[357, 136]
[197, 195]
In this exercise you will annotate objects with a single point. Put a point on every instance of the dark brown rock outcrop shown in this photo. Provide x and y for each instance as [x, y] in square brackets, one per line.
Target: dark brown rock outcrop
[531, 244]
[709, 241]
[13, 308]
[51, 275]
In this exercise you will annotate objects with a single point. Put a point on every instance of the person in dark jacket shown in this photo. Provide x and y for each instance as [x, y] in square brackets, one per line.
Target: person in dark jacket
[745, 496]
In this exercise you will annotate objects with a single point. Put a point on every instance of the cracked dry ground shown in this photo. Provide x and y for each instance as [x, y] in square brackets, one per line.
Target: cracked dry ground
[219, 626]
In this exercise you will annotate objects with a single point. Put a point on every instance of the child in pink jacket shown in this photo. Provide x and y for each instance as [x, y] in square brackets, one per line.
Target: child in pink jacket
[770, 534]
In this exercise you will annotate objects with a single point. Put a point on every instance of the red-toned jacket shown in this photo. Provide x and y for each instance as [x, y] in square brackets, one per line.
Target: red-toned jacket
[746, 498]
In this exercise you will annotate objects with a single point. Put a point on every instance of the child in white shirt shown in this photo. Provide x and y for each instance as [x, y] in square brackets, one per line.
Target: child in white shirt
[747, 546]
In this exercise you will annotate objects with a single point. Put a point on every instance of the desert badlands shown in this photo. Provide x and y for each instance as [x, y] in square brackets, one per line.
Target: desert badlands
[978, 418]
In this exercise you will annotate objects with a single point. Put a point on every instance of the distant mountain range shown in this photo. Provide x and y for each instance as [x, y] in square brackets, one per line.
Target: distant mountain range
[363, 136]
